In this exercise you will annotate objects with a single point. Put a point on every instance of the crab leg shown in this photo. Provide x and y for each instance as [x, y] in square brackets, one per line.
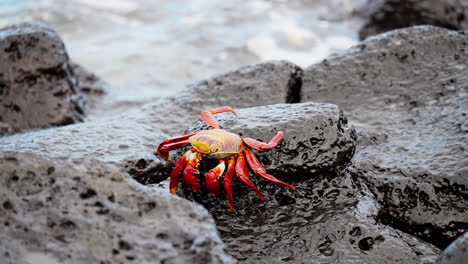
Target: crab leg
[163, 151]
[168, 145]
[243, 175]
[193, 158]
[180, 164]
[212, 183]
[260, 170]
[261, 145]
[207, 116]
[228, 181]
[174, 139]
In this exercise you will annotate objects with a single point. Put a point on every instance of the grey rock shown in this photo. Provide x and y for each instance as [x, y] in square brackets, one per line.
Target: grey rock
[457, 252]
[97, 214]
[90, 85]
[71, 186]
[386, 15]
[329, 218]
[66, 196]
[317, 136]
[406, 94]
[261, 84]
[249, 86]
[38, 87]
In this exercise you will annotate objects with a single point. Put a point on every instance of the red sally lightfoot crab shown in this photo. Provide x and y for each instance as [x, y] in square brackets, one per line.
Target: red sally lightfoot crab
[225, 146]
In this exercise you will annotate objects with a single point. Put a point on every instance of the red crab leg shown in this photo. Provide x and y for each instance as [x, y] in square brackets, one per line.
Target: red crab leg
[207, 116]
[193, 157]
[212, 183]
[243, 175]
[261, 145]
[169, 141]
[260, 170]
[228, 181]
[180, 164]
[163, 152]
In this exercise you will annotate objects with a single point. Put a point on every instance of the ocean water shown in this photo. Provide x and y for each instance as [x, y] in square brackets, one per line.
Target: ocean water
[148, 49]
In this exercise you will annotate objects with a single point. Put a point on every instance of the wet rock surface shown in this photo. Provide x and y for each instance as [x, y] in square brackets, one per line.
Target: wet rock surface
[455, 253]
[401, 198]
[331, 215]
[317, 136]
[329, 218]
[66, 197]
[71, 185]
[386, 15]
[406, 94]
[261, 84]
[256, 85]
[38, 84]
[60, 211]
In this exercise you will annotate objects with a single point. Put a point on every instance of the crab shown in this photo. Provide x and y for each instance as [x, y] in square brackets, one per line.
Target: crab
[230, 149]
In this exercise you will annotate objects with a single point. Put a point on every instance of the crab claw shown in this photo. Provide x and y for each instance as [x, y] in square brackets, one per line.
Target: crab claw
[193, 159]
[212, 183]
[171, 144]
[190, 179]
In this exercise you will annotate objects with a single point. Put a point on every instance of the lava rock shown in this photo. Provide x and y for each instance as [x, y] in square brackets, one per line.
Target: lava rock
[329, 218]
[71, 185]
[261, 84]
[89, 84]
[66, 195]
[406, 94]
[38, 87]
[249, 86]
[90, 213]
[317, 136]
[386, 15]
[457, 252]
[331, 215]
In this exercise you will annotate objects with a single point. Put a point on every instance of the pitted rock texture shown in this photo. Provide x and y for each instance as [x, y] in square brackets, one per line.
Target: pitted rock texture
[249, 86]
[80, 167]
[330, 218]
[97, 215]
[38, 87]
[90, 85]
[386, 15]
[331, 215]
[455, 253]
[317, 136]
[65, 196]
[406, 94]
[261, 84]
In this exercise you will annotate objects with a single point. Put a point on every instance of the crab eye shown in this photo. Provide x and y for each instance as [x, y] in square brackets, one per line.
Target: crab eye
[214, 148]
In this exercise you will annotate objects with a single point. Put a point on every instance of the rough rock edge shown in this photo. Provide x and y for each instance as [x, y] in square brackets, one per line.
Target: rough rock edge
[387, 15]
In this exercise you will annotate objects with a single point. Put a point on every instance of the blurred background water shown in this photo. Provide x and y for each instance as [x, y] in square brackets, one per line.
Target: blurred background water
[148, 49]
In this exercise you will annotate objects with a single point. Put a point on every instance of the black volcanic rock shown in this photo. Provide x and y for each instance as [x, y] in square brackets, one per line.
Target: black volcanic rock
[405, 92]
[331, 217]
[455, 253]
[386, 15]
[38, 85]
[265, 83]
[71, 186]
[317, 136]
